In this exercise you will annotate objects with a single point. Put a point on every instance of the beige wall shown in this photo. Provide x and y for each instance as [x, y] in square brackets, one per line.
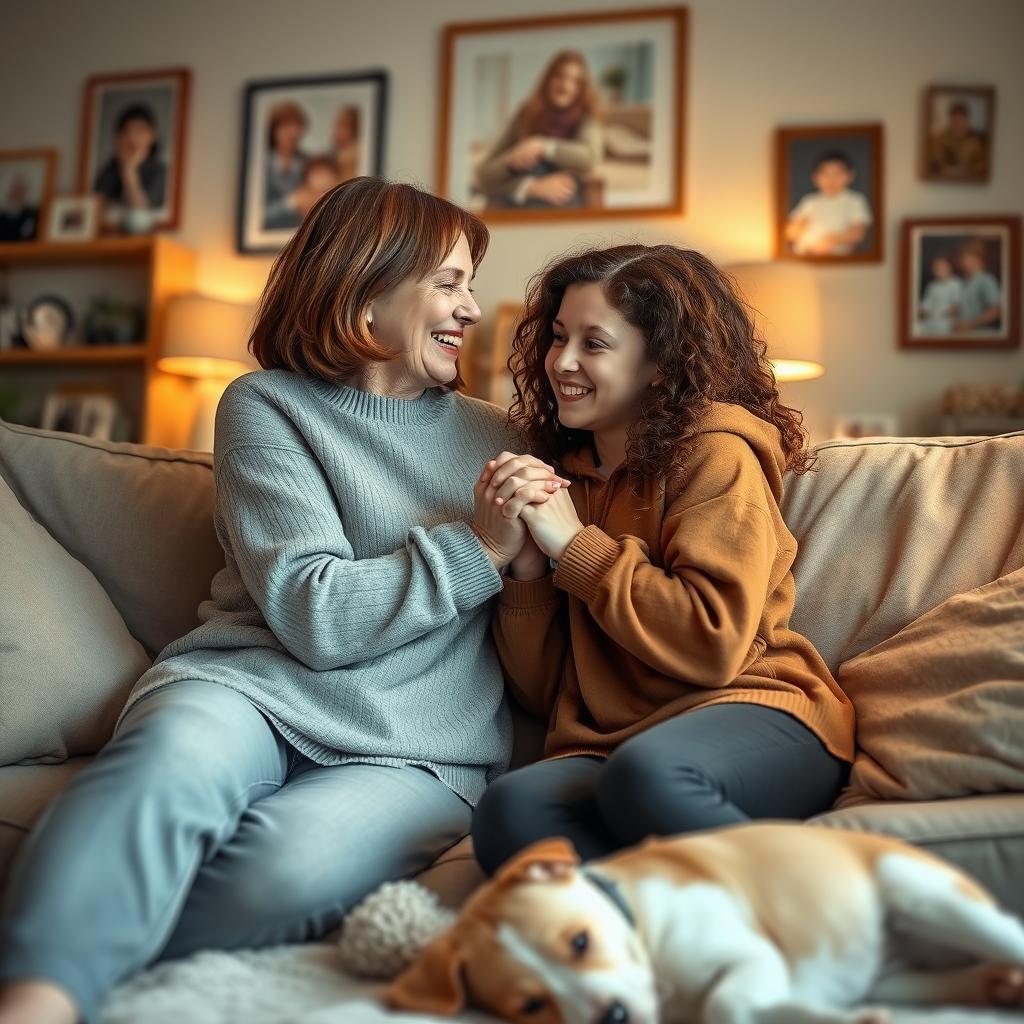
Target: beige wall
[753, 64]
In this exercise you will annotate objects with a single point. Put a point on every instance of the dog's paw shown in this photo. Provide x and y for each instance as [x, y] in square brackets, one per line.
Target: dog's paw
[1003, 985]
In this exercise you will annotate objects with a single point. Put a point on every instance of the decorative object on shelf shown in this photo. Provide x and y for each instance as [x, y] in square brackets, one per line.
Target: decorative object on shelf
[47, 323]
[81, 410]
[786, 304]
[865, 424]
[108, 322]
[206, 338]
[302, 137]
[960, 282]
[575, 115]
[8, 315]
[829, 205]
[133, 147]
[26, 188]
[74, 218]
[957, 132]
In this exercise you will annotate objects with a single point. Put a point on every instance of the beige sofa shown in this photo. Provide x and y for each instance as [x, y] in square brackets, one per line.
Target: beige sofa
[887, 530]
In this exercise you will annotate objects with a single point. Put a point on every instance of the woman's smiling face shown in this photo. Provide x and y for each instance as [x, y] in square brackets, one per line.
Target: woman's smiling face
[424, 320]
[597, 364]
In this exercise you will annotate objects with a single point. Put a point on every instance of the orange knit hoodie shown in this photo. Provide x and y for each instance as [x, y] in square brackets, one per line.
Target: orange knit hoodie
[675, 600]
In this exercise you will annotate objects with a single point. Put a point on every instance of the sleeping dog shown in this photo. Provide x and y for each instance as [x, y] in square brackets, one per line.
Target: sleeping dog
[754, 924]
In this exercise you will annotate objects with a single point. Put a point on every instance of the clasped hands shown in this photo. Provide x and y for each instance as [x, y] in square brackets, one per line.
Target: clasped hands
[523, 514]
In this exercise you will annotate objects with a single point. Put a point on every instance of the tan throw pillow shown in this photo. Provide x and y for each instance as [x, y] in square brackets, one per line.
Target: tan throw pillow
[940, 706]
[67, 660]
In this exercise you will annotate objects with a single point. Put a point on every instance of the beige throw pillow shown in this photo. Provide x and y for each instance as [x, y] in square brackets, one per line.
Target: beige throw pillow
[67, 660]
[940, 706]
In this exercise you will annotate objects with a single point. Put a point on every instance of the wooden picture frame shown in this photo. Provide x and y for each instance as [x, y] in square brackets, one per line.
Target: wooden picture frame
[26, 191]
[119, 109]
[615, 150]
[313, 109]
[74, 218]
[957, 136]
[807, 158]
[933, 296]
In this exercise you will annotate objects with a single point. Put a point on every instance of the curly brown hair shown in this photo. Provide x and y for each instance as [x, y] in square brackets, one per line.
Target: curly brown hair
[699, 332]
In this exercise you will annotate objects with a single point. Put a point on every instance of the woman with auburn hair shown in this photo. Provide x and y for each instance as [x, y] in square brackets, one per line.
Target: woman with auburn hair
[659, 651]
[339, 710]
[553, 141]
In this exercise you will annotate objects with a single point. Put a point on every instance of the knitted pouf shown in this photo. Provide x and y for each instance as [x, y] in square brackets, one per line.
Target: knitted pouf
[385, 932]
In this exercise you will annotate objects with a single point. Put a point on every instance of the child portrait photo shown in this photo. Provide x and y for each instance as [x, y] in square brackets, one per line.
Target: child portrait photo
[26, 188]
[829, 193]
[567, 116]
[302, 137]
[958, 126]
[960, 283]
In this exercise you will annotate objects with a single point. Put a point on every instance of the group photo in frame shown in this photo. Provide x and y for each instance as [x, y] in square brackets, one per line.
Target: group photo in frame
[960, 282]
[828, 193]
[26, 191]
[303, 136]
[565, 116]
[957, 133]
[133, 147]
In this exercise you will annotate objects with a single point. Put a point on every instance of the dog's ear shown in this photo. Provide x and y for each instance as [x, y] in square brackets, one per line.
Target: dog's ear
[433, 981]
[549, 860]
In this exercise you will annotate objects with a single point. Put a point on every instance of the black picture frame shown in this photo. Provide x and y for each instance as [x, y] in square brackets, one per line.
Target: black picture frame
[259, 231]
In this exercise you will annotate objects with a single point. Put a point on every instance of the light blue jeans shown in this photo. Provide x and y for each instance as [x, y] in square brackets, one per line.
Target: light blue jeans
[199, 827]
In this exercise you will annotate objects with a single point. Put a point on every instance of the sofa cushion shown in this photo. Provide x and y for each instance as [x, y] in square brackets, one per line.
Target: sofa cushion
[139, 518]
[888, 529]
[67, 661]
[940, 706]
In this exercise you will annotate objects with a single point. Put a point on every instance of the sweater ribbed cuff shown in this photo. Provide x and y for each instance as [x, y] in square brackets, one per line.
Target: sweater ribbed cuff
[473, 574]
[589, 556]
[529, 593]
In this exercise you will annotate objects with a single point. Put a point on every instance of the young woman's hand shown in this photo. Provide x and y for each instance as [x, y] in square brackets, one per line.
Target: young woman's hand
[553, 524]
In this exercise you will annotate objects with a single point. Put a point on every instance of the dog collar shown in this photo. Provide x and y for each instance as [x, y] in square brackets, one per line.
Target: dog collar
[611, 890]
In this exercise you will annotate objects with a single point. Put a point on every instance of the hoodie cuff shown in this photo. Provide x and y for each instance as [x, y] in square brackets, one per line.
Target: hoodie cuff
[585, 562]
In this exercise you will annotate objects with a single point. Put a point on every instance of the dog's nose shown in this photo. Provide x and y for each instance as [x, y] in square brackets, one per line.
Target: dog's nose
[615, 1014]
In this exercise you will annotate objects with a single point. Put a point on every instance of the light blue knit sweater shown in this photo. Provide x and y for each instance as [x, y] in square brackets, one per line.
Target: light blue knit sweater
[355, 603]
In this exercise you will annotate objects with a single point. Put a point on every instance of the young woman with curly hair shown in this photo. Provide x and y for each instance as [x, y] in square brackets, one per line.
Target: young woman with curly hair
[658, 651]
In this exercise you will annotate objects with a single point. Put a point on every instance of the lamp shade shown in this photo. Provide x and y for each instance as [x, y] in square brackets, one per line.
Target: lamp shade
[787, 314]
[206, 337]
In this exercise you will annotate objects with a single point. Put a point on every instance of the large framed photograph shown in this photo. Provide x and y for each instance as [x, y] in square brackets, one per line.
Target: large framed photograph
[828, 182]
[565, 116]
[302, 137]
[957, 131]
[960, 282]
[133, 147]
[26, 188]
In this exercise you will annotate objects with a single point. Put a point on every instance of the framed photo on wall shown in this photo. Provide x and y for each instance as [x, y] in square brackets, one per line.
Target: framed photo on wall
[960, 282]
[302, 137]
[828, 182]
[26, 189]
[957, 131]
[565, 115]
[133, 147]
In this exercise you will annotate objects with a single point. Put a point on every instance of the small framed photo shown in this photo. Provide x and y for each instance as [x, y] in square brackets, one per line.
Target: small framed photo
[957, 129]
[302, 137]
[81, 411]
[865, 424]
[26, 188]
[960, 282]
[74, 218]
[133, 147]
[565, 116]
[829, 204]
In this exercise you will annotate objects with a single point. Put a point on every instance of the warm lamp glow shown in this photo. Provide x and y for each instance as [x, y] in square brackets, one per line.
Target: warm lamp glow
[787, 314]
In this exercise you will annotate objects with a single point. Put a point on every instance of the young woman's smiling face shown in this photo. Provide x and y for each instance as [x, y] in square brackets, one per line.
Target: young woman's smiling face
[597, 364]
[424, 320]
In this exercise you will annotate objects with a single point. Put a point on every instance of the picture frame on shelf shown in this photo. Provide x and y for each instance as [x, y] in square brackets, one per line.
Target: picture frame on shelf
[959, 282]
[132, 148]
[957, 134]
[829, 203]
[565, 116]
[26, 190]
[851, 426]
[74, 218]
[302, 137]
[90, 412]
[47, 324]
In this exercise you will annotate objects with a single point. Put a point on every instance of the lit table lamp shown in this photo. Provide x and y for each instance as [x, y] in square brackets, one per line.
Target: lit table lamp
[206, 338]
[787, 314]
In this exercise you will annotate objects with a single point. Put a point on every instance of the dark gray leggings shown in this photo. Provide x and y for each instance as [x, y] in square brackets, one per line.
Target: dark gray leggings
[714, 766]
